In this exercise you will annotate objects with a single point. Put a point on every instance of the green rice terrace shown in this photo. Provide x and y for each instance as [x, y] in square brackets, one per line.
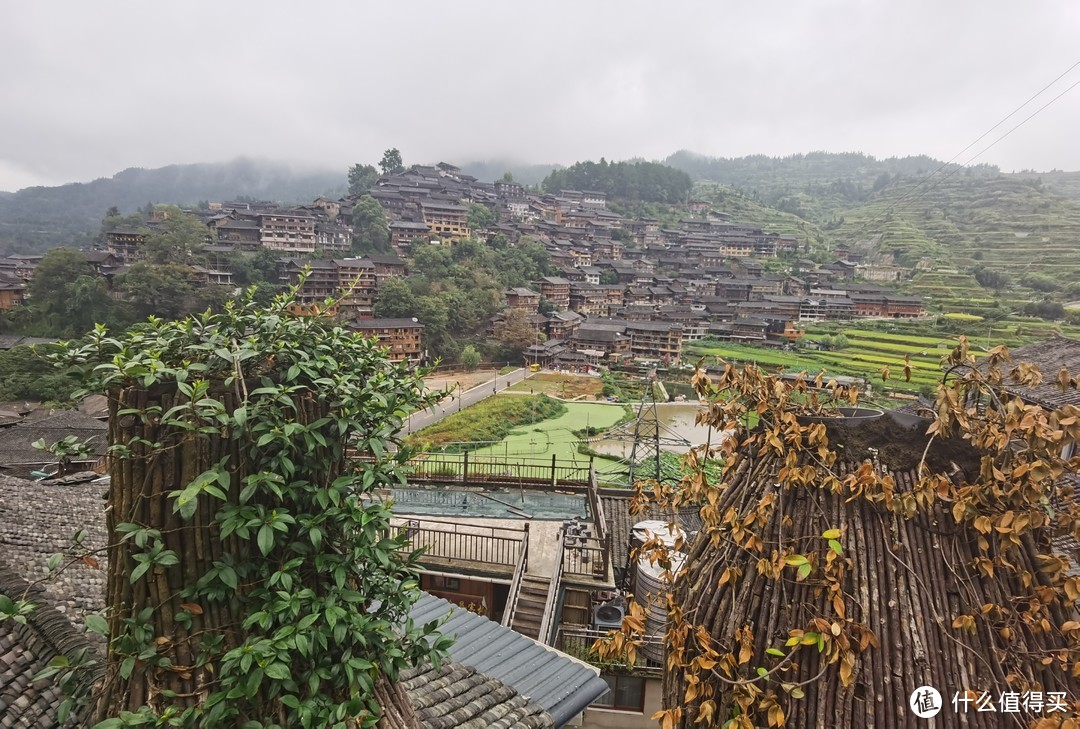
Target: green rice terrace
[1006, 223]
[866, 351]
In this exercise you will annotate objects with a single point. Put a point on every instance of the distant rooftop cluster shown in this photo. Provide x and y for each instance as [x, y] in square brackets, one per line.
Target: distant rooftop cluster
[624, 287]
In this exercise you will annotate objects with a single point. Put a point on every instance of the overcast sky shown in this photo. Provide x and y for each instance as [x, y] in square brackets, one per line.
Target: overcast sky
[90, 88]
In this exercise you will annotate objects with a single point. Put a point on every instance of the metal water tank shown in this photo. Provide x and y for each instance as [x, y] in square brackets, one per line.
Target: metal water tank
[653, 528]
[649, 589]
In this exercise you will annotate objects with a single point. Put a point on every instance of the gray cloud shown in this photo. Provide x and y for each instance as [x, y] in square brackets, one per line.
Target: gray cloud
[91, 88]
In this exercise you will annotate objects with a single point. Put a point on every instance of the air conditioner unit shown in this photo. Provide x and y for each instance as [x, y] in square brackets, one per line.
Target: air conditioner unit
[609, 615]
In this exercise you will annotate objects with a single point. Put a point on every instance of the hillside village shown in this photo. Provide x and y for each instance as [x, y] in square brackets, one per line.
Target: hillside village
[621, 287]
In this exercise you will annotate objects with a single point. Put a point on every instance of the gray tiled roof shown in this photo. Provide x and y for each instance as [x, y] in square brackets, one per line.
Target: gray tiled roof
[563, 686]
[40, 518]
[1050, 357]
[16, 442]
[25, 650]
[458, 696]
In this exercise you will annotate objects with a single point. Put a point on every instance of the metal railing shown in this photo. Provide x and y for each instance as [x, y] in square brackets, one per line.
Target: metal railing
[465, 469]
[586, 557]
[578, 641]
[547, 625]
[596, 507]
[464, 543]
[515, 585]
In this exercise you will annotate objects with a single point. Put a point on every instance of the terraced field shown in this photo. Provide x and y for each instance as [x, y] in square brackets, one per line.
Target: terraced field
[869, 350]
[1006, 223]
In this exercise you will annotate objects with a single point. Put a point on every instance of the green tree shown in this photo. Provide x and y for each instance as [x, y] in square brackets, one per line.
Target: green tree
[991, 278]
[159, 290]
[362, 178]
[396, 300]
[470, 358]
[434, 314]
[371, 232]
[296, 616]
[391, 163]
[434, 262]
[608, 277]
[180, 240]
[66, 296]
[27, 374]
[480, 217]
[256, 268]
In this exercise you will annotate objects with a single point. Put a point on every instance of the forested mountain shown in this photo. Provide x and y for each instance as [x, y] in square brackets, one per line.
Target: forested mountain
[494, 169]
[629, 181]
[39, 218]
[833, 180]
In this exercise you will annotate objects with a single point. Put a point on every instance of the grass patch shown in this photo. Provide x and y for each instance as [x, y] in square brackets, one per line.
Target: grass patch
[556, 436]
[488, 420]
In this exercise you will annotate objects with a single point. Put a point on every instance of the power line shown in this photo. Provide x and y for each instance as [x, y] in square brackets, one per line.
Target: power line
[921, 183]
[990, 146]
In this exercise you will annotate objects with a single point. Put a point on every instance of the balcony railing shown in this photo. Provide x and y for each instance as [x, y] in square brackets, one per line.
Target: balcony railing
[464, 545]
[578, 641]
[465, 469]
[515, 585]
[586, 558]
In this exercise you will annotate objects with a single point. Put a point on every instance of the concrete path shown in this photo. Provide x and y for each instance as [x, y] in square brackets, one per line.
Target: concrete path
[434, 414]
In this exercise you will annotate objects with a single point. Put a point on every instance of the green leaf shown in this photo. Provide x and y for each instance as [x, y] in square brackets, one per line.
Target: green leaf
[761, 671]
[227, 575]
[832, 534]
[804, 571]
[63, 712]
[254, 679]
[775, 652]
[266, 539]
[139, 571]
[794, 560]
[54, 561]
[835, 546]
[278, 671]
[96, 624]
[127, 666]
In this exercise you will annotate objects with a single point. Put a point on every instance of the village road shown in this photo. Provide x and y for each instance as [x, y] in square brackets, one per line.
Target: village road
[449, 405]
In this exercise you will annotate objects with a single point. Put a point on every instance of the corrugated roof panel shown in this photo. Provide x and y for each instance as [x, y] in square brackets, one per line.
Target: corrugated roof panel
[561, 685]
